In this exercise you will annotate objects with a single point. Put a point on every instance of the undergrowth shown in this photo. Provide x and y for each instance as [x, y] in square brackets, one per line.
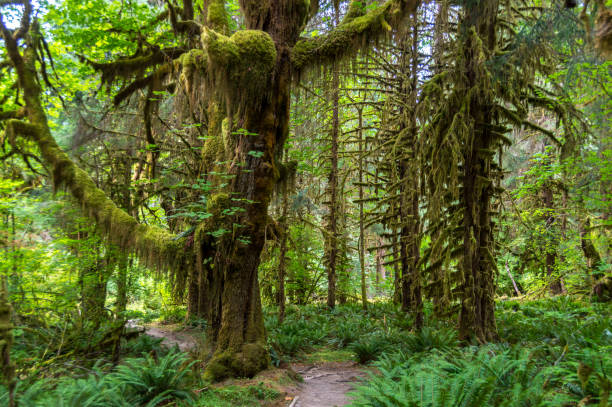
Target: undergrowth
[553, 352]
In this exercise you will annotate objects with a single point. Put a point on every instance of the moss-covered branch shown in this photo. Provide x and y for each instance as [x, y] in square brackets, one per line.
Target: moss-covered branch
[352, 34]
[156, 246]
[136, 65]
[12, 114]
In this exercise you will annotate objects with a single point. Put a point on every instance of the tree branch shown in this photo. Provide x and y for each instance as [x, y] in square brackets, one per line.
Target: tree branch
[12, 114]
[352, 34]
[130, 67]
[154, 245]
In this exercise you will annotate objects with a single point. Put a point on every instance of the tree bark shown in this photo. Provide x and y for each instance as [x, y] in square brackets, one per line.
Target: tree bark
[554, 282]
[362, 246]
[332, 240]
[477, 314]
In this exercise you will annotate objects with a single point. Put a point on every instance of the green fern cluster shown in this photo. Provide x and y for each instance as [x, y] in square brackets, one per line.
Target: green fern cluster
[558, 353]
[491, 376]
[142, 382]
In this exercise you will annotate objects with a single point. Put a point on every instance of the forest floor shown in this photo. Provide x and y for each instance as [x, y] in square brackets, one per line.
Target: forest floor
[173, 336]
[327, 384]
[317, 381]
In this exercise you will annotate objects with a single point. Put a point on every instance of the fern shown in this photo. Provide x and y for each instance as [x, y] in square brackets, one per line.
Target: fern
[149, 382]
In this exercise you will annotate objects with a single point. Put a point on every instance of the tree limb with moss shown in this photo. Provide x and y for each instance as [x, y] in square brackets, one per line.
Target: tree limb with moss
[356, 31]
[155, 246]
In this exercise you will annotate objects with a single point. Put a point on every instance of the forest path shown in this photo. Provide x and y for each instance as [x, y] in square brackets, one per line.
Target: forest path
[184, 341]
[326, 385]
[172, 335]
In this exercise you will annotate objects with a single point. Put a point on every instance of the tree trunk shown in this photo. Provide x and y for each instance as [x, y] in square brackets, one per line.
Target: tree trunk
[93, 279]
[477, 313]
[332, 229]
[362, 246]
[281, 297]
[554, 282]
[380, 268]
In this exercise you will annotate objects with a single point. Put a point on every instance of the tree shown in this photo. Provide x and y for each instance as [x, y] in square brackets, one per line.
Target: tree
[246, 78]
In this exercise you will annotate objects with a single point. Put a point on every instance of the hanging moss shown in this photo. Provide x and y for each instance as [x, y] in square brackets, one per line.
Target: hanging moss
[156, 247]
[351, 35]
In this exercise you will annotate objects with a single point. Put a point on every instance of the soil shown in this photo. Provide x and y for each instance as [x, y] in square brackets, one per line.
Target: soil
[183, 340]
[172, 335]
[327, 384]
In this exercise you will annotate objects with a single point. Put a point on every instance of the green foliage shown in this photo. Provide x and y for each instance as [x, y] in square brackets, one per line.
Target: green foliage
[428, 339]
[142, 382]
[561, 354]
[231, 396]
[369, 348]
[151, 382]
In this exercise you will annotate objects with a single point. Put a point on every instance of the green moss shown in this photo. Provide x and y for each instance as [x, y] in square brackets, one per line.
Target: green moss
[213, 151]
[241, 65]
[255, 47]
[220, 48]
[351, 35]
[217, 16]
[356, 9]
[250, 360]
[217, 203]
[226, 131]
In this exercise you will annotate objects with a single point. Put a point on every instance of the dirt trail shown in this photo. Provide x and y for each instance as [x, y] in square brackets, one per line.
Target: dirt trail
[184, 341]
[171, 337]
[326, 385]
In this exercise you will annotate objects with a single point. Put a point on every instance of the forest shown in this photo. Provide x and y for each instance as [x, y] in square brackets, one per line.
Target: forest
[305, 203]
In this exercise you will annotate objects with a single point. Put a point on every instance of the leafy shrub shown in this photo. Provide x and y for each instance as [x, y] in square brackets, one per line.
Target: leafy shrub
[144, 344]
[289, 344]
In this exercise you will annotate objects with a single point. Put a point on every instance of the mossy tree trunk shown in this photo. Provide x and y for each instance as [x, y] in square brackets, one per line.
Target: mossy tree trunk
[362, 243]
[477, 289]
[93, 280]
[409, 173]
[331, 246]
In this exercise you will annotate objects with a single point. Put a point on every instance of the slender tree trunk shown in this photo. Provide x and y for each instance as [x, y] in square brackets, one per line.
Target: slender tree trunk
[397, 277]
[380, 268]
[551, 244]
[332, 246]
[362, 246]
[281, 297]
[6, 327]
